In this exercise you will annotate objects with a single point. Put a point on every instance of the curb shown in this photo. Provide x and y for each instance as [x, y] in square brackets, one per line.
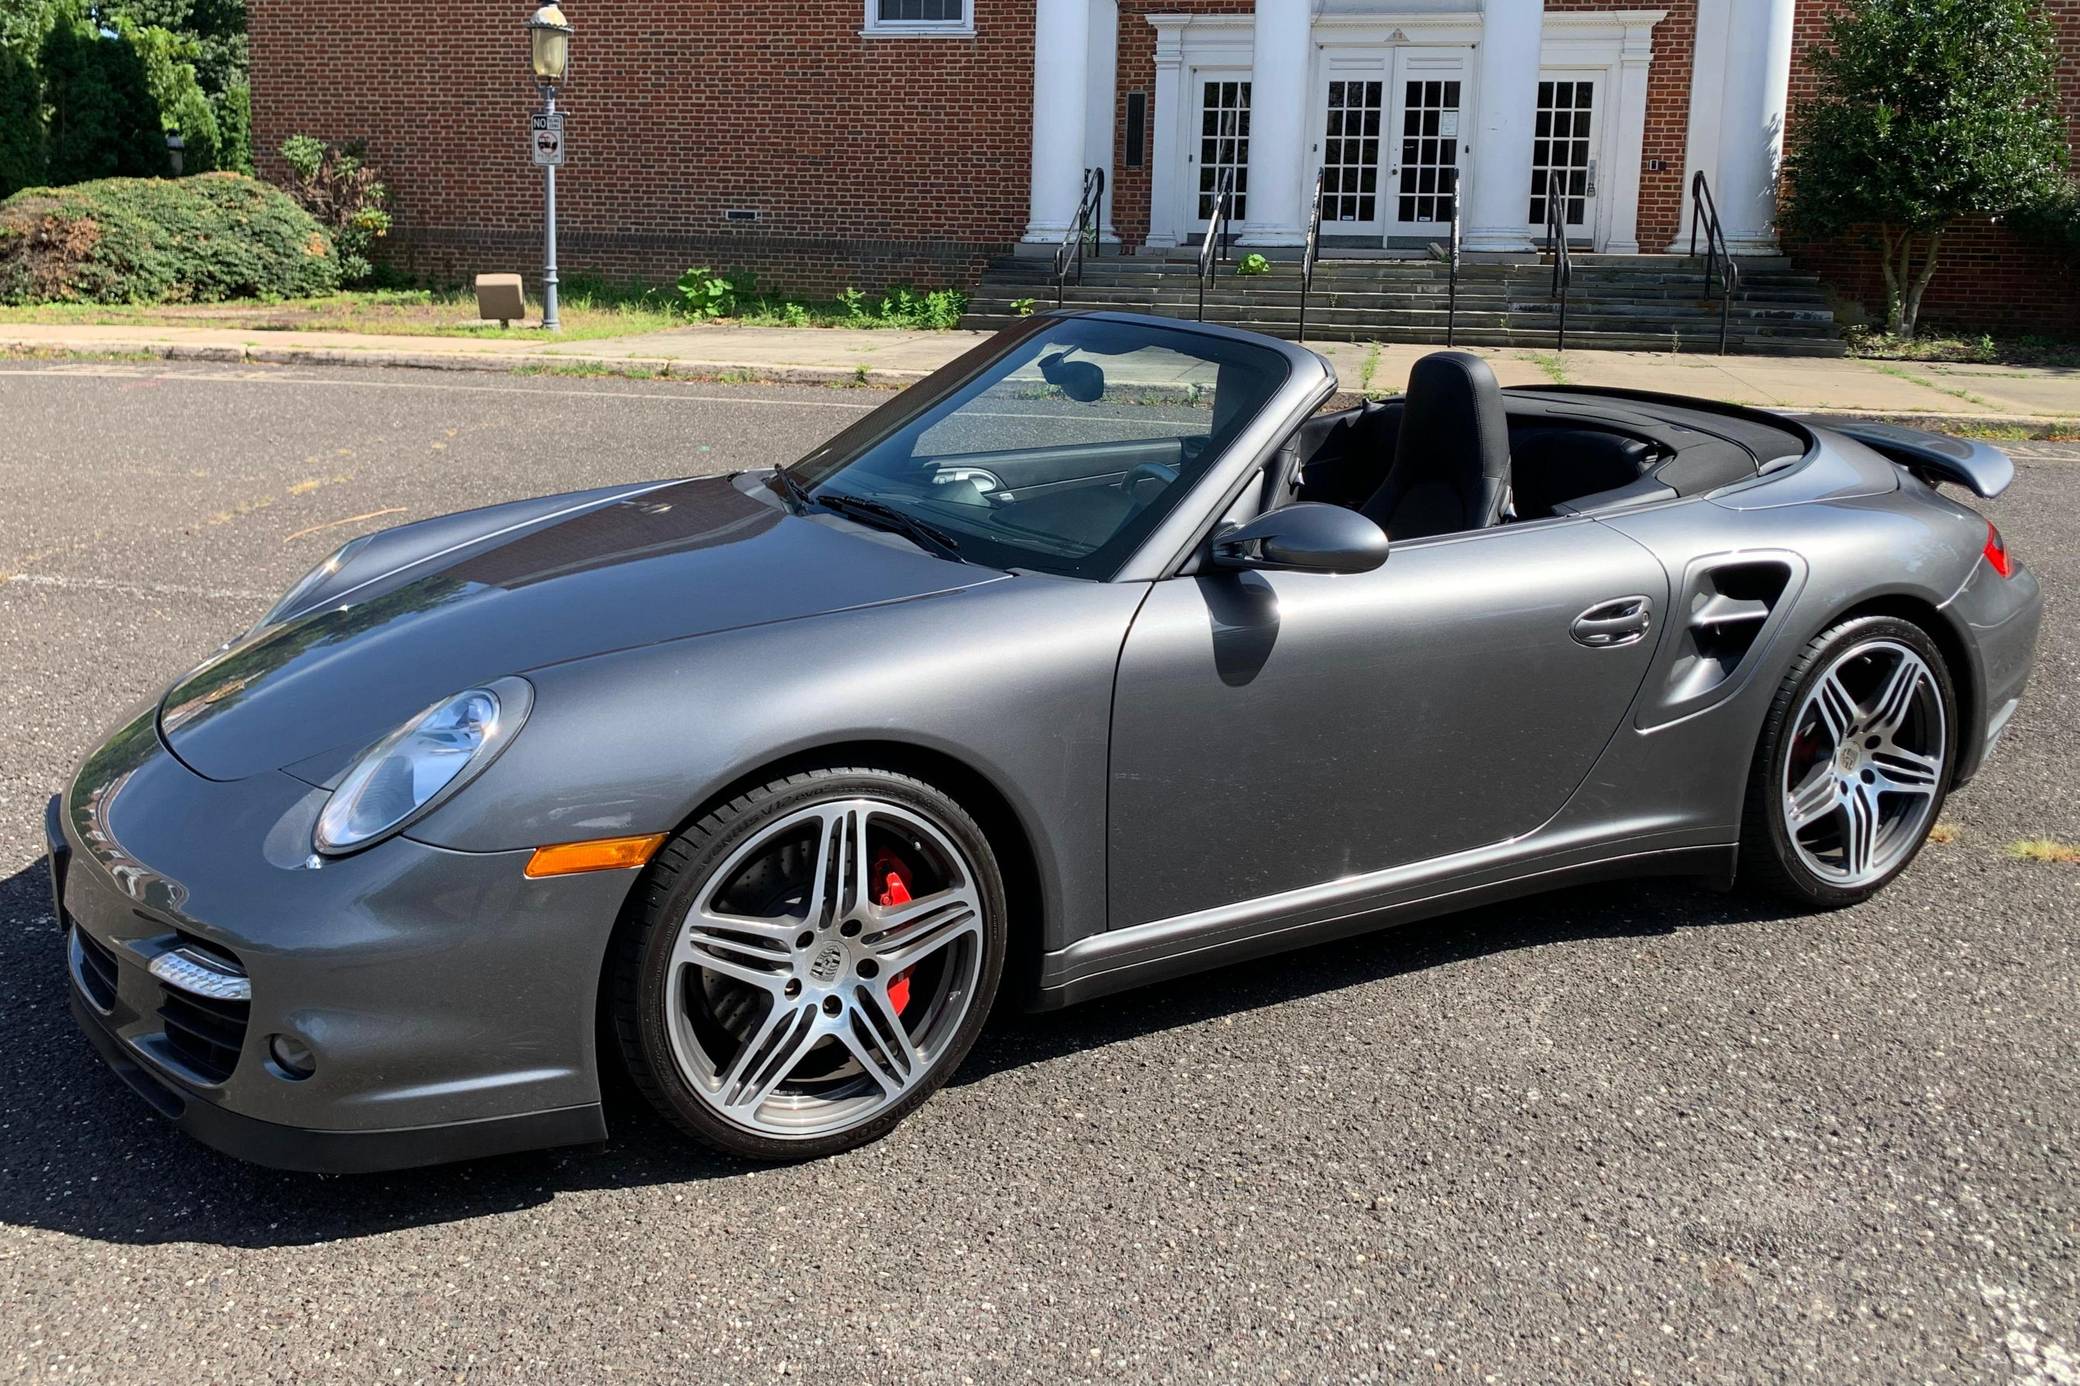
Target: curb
[504, 363]
[2046, 426]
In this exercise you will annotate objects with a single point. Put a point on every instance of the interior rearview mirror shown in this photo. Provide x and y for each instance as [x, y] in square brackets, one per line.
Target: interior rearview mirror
[1308, 537]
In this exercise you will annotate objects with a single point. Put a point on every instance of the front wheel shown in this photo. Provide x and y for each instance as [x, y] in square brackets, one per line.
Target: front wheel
[810, 961]
[1854, 764]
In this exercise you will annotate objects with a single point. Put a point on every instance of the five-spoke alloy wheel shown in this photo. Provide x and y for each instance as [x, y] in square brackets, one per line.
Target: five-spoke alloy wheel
[811, 960]
[1854, 764]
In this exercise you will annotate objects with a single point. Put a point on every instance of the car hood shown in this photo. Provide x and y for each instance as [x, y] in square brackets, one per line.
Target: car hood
[686, 559]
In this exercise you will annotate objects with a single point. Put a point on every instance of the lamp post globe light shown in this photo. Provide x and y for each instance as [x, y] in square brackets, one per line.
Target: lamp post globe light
[550, 36]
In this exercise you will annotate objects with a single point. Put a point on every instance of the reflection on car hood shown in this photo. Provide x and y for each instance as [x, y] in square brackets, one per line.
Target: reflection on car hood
[687, 559]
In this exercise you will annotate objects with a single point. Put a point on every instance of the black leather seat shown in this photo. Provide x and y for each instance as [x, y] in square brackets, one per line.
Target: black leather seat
[1451, 460]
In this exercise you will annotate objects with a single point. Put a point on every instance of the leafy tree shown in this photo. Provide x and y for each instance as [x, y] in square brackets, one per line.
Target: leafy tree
[1930, 110]
[169, 74]
[234, 112]
[21, 123]
[103, 120]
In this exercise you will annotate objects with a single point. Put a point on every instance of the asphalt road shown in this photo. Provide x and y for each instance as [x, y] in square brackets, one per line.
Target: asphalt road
[1629, 1132]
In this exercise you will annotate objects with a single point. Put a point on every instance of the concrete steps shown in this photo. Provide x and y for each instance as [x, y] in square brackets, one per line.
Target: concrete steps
[1632, 302]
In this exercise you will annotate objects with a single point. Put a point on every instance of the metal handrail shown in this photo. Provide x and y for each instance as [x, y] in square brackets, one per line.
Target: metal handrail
[1563, 264]
[1704, 212]
[1451, 291]
[1213, 249]
[1083, 229]
[1310, 253]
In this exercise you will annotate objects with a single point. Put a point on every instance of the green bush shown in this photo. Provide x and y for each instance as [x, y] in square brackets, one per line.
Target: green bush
[705, 294]
[147, 240]
[1253, 264]
[335, 184]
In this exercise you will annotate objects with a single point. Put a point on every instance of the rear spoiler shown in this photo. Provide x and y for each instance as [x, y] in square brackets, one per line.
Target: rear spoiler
[1933, 457]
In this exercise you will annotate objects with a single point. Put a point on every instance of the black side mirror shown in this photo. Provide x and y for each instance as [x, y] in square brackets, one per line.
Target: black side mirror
[1308, 537]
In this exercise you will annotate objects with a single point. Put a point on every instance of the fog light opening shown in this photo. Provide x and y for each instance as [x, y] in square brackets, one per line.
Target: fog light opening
[292, 1058]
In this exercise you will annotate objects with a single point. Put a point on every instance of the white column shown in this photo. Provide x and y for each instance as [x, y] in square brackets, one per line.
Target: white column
[1278, 122]
[1498, 212]
[1165, 114]
[1061, 92]
[1751, 123]
[1621, 183]
[1102, 100]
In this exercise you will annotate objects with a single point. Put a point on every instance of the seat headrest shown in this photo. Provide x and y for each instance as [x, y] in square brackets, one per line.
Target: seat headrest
[1454, 406]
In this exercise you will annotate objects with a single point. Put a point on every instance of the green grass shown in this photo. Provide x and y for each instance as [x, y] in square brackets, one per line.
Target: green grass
[1899, 373]
[1552, 364]
[2045, 849]
[587, 310]
[1368, 369]
[591, 369]
[1982, 349]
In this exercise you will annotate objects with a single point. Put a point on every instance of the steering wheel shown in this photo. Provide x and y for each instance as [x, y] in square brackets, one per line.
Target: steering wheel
[1162, 473]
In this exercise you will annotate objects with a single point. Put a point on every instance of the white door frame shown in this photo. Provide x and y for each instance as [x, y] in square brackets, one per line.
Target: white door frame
[1617, 42]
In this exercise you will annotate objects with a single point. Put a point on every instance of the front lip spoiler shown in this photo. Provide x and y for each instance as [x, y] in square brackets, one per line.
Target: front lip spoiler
[338, 1152]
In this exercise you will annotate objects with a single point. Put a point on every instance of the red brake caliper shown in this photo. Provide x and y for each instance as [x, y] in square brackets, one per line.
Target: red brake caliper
[896, 892]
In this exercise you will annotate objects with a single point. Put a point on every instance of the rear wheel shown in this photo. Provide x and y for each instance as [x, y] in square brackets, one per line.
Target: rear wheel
[1854, 764]
[810, 961]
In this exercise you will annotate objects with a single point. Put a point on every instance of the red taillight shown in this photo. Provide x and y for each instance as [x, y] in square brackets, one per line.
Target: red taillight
[1997, 552]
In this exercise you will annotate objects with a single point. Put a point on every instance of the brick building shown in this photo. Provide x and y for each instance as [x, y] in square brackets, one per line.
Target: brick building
[832, 142]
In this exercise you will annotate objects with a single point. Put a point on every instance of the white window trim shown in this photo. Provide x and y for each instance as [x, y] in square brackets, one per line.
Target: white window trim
[877, 27]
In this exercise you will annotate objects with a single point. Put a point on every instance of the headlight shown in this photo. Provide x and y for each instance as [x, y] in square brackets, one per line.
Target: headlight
[295, 597]
[420, 764]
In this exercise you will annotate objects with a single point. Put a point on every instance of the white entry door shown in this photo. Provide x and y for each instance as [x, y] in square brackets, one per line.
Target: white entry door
[1428, 104]
[1219, 148]
[1350, 140]
[1564, 150]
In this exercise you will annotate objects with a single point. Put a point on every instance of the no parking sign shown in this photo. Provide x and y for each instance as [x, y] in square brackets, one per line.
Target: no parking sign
[545, 138]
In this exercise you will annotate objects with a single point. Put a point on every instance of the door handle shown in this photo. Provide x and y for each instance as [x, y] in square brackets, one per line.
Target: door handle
[1622, 621]
[1589, 188]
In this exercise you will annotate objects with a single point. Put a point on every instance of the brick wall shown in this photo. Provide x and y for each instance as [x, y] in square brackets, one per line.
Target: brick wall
[1668, 116]
[1986, 276]
[1137, 72]
[871, 160]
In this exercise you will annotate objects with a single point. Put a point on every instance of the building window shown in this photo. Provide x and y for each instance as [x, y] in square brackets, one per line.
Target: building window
[919, 17]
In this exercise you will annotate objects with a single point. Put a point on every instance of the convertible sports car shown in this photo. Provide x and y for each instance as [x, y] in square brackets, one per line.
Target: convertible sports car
[1101, 656]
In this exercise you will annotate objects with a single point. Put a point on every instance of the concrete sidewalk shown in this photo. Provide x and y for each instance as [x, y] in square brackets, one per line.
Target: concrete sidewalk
[2025, 395]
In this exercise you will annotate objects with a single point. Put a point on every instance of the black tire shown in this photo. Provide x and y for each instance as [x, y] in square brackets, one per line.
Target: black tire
[643, 949]
[1769, 860]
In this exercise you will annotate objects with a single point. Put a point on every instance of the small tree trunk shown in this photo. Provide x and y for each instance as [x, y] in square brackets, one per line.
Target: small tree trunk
[1893, 298]
[1912, 315]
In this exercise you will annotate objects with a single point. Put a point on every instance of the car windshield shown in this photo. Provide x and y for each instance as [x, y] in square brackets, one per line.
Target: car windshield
[1057, 450]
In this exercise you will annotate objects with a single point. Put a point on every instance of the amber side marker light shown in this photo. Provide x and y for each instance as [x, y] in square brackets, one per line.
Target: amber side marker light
[600, 854]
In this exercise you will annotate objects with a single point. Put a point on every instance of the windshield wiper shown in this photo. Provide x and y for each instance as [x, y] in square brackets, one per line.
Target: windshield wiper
[880, 515]
[792, 491]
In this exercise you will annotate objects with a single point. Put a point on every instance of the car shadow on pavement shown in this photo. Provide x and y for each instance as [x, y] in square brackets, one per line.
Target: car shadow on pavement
[1625, 909]
[80, 1154]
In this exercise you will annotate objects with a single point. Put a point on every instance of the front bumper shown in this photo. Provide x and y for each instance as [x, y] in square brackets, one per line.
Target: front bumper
[447, 1000]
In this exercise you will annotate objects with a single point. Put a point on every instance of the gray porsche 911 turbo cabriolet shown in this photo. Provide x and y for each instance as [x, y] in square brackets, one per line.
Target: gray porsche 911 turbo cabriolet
[1101, 656]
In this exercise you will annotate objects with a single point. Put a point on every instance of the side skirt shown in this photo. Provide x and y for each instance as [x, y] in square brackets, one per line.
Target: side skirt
[1156, 952]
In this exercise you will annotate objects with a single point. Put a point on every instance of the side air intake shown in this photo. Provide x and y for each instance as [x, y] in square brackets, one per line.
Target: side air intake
[1725, 612]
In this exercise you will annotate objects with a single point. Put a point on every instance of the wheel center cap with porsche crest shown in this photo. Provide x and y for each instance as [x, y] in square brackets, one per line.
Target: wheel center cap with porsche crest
[827, 964]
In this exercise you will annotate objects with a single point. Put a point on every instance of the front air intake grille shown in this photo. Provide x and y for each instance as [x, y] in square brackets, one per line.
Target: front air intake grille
[205, 1000]
[205, 1034]
[95, 967]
